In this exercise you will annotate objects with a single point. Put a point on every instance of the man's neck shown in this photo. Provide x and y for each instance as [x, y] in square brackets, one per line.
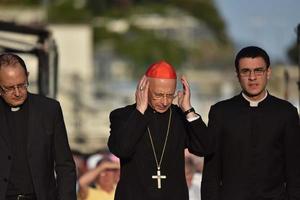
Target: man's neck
[254, 102]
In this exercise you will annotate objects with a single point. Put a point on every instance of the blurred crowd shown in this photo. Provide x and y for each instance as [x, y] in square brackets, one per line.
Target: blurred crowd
[98, 175]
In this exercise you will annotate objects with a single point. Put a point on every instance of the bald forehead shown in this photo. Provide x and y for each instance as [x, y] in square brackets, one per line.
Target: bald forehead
[162, 84]
[8, 71]
[161, 80]
[17, 66]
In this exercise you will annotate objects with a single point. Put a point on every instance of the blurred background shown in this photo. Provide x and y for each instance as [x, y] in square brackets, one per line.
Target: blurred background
[89, 54]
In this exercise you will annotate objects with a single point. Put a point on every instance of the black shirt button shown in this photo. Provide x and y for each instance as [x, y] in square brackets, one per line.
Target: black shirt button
[5, 179]
[9, 157]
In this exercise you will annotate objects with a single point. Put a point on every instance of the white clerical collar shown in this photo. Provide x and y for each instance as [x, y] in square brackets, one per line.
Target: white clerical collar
[15, 109]
[254, 103]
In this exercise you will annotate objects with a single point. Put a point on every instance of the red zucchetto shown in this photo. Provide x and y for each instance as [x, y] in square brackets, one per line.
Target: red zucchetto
[161, 70]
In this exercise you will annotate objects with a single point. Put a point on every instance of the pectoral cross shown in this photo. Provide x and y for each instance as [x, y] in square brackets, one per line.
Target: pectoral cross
[159, 177]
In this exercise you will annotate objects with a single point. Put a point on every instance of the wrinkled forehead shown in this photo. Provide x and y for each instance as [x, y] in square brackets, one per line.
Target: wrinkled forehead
[162, 85]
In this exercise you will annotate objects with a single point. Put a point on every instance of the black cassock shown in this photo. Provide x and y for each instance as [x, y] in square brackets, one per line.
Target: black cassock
[129, 140]
[258, 151]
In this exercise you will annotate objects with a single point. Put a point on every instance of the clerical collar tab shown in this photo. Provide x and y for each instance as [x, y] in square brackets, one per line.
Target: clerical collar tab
[254, 103]
[15, 109]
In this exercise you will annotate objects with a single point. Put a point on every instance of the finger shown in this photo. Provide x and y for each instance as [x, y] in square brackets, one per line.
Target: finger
[179, 97]
[143, 89]
[145, 92]
[146, 85]
[141, 83]
[179, 94]
[144, 79]
[138, 92]
[185, 82]
[186, 86]
[176, 99]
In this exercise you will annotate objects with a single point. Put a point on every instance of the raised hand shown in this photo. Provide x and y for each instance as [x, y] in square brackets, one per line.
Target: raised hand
[141, 95]
[108, 165]
[184, 96]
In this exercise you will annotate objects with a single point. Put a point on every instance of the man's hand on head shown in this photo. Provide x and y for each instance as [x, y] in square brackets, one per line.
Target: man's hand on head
[141, 94]
[184, 95]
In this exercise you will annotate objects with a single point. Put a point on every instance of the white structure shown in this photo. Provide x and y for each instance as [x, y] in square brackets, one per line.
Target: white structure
[86, 120]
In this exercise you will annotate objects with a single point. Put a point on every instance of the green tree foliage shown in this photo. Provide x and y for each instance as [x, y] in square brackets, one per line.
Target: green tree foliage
[207, 12]
[143, 48]
[20, 2]
[66, 12]
[201, 9]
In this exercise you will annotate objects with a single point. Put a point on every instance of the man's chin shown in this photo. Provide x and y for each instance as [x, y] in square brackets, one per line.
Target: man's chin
[162, 110]
[159, 109]
[253, 94]
[16, 103]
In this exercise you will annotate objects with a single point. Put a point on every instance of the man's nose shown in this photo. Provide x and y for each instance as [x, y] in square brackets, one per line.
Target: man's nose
[252, 75]
[165, 100]
[17, 91]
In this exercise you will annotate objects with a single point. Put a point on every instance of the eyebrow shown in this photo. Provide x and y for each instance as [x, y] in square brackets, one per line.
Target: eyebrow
[164, 93]
[8, 86]
[253, 68]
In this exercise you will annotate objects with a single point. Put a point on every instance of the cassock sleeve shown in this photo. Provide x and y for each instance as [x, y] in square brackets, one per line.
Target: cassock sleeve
[292, 155]
[211, 178]
[64, 164]
[199, 141]
[127, 127]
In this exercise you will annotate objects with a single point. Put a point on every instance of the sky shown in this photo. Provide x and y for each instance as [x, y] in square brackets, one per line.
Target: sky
[270, 24]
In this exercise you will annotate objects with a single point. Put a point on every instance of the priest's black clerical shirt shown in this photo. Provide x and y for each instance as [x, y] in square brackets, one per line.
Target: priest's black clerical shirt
[129, 140]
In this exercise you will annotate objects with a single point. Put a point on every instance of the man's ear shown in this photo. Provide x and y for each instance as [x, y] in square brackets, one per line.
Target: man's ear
[27, 75]
[269, 71]
[237, 75]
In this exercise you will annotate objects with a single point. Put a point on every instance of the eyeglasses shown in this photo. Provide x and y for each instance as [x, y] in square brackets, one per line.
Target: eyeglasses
[160, 96]
[12, 89]
[245, 72]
